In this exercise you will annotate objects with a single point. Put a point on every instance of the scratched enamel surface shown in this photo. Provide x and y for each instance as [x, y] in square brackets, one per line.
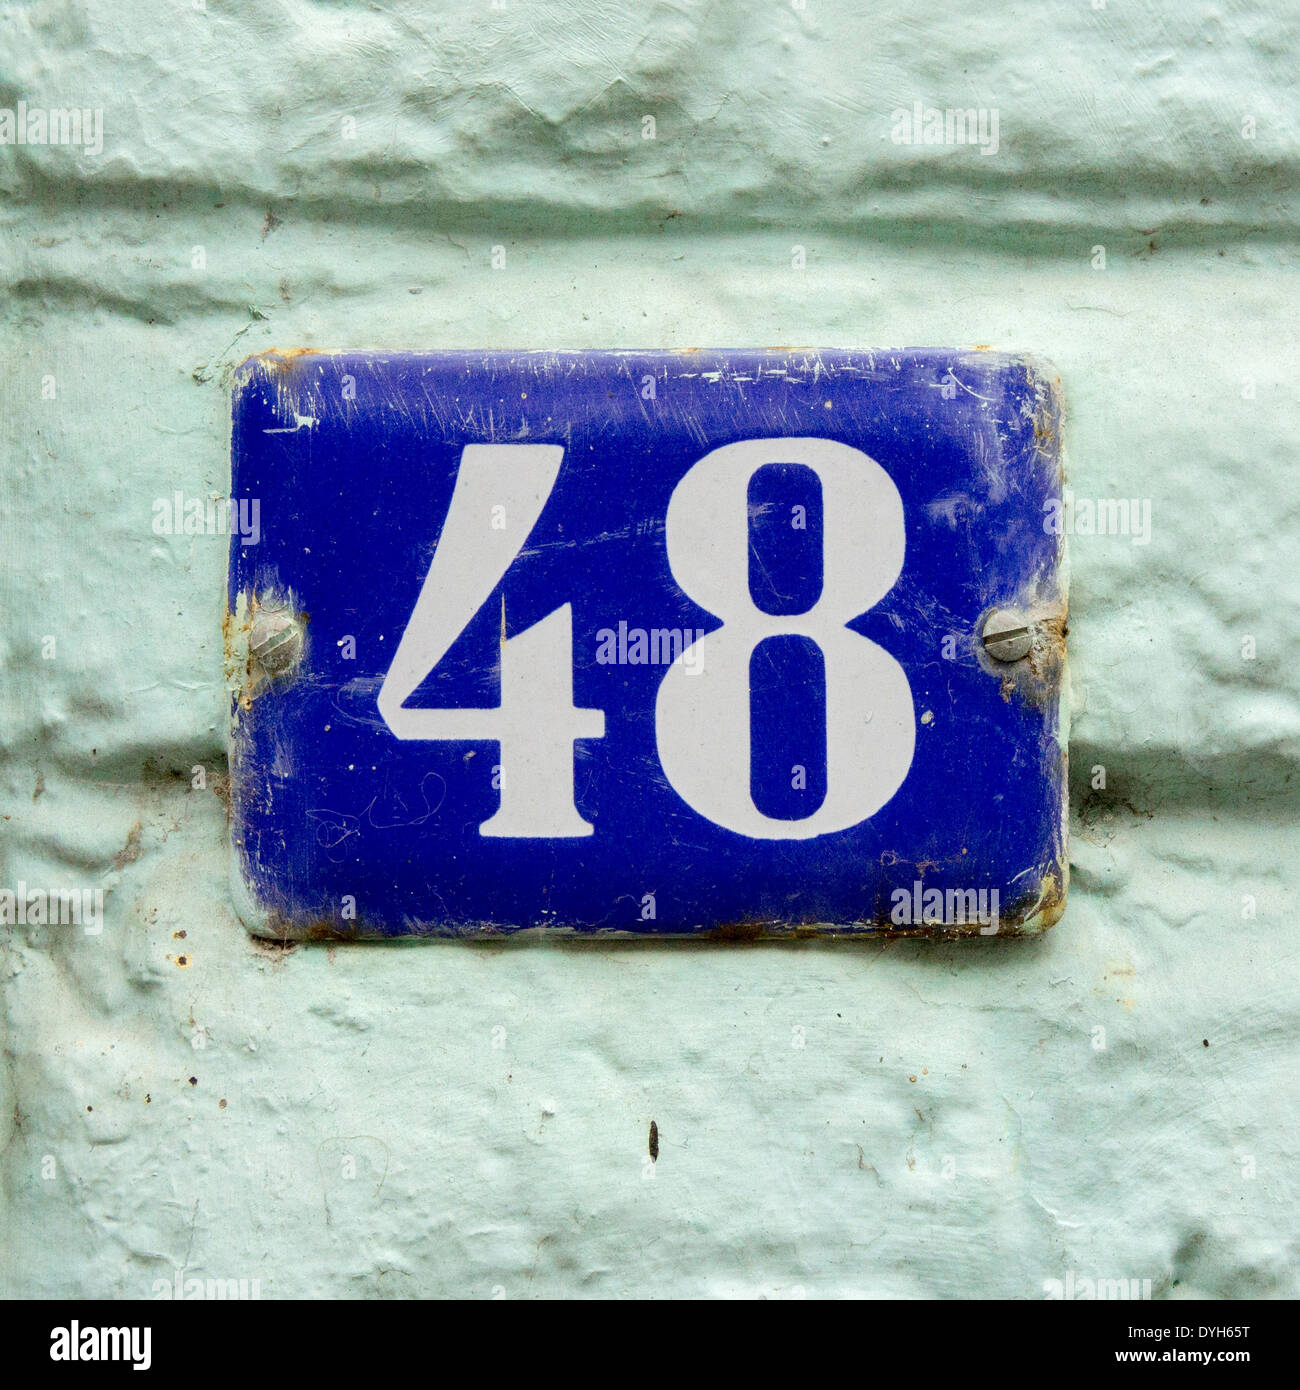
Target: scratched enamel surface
[341, 826]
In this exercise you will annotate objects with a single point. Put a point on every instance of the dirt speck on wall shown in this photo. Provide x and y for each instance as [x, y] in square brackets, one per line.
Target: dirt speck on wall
[719, 174]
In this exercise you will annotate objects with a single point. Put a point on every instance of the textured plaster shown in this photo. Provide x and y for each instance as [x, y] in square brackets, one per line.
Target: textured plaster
[893, 1119]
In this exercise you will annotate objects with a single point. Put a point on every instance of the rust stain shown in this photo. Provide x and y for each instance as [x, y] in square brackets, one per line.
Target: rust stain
[247, 676]
[1037, 677]
[129, 852]
[1031, 915]
[278, 932]
[276, 947]
[283, 359]
[736, 931]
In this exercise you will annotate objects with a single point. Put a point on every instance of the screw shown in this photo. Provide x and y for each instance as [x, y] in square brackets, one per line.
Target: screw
[1008, 635]
[274, 642]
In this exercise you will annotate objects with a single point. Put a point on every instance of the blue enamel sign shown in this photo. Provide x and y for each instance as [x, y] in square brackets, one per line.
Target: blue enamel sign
[755, 642]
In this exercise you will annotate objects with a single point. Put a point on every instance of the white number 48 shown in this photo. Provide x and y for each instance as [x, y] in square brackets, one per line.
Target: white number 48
[702, 713]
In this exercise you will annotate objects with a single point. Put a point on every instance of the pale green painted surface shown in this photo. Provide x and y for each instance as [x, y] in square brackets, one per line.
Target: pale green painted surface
[523, 1167]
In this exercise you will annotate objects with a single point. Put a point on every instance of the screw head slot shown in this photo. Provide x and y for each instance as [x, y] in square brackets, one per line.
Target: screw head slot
[1008, 635]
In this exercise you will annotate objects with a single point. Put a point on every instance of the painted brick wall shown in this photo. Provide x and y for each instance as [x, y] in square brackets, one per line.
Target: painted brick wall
[1114, 1101]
